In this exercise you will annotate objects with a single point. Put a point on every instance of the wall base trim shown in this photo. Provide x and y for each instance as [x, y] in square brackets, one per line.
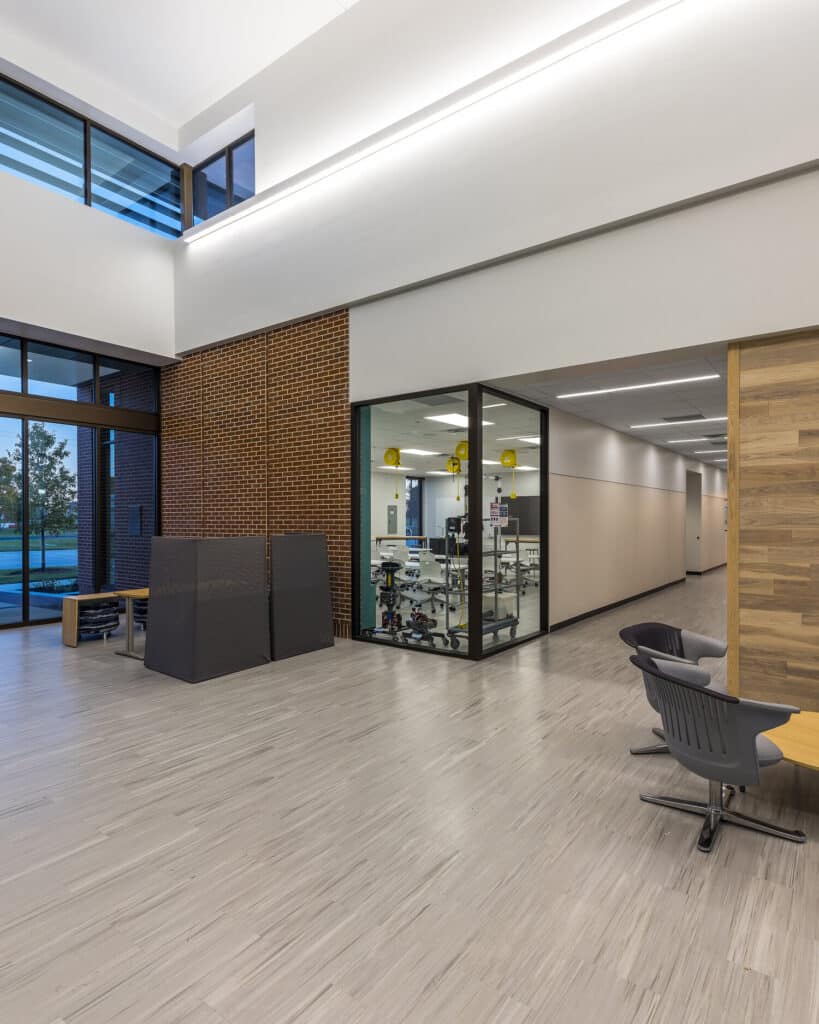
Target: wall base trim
[694, 572]
[615, 604]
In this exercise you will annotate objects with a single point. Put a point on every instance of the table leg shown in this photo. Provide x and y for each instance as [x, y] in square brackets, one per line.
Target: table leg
[129, 651]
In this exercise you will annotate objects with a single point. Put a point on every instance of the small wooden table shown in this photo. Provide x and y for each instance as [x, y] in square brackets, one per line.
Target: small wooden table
[798, 739]
[129, 651]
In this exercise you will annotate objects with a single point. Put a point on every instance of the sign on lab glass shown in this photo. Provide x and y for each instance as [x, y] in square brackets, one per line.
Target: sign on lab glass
[498, 515]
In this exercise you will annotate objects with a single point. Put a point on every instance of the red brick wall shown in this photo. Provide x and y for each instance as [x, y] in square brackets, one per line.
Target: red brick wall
[256, 440]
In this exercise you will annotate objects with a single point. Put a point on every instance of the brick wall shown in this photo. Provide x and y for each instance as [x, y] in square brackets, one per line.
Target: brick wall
[256, 440]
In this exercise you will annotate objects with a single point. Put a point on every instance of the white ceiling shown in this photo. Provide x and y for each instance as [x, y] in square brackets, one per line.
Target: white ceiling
[172, 60]
[622, 410]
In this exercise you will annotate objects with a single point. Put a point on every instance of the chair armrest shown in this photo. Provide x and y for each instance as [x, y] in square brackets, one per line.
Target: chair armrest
[660, 656]
[696, 646]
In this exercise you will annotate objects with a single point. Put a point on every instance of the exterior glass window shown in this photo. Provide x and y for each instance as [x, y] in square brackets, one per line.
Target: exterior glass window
[11, 521]
[227, 178]
[41, 142]
[244, 171]
[210, 189]
[60, 373]
[11, 377]
[127, 507]
[127, 385]
[134, 185]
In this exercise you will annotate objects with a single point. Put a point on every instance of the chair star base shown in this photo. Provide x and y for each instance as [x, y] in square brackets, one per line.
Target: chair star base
[716, 811]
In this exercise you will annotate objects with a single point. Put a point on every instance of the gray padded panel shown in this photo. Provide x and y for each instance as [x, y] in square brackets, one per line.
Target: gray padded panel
[767, 752]
[301, 611]
[681, 670]
[208, 614]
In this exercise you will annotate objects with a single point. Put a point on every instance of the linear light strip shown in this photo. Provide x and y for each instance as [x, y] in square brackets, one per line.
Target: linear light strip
[595, 31]
[640, 387]
[713, 451]
[679, 423]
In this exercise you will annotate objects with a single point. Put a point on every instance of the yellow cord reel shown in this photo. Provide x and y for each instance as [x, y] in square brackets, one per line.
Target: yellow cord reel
[509, 460]
[453, 466]
[392, 457]
[462, 451]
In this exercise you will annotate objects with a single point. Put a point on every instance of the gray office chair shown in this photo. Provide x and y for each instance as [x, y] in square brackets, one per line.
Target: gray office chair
[659, 640]
[717, 737]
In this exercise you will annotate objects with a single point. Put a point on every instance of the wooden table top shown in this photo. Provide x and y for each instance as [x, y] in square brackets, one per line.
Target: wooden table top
[142, 593]
[799, 739]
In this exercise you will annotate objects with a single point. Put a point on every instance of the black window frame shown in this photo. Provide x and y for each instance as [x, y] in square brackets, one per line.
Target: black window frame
[227, 153]
[89, 123]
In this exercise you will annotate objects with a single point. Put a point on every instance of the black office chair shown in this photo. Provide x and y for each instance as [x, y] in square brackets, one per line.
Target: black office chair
[659, 640]
[718, 737]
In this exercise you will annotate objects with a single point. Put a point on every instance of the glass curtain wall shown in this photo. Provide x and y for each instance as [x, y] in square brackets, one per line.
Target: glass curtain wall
[449, 504]
[11, 521]
[77, 496]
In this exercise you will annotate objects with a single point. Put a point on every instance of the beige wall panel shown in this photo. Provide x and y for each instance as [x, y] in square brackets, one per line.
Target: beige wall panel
[714, 543]
[610, 541]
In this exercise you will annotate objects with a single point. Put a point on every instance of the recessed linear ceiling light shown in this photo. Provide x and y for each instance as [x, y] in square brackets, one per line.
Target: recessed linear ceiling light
[719, 460]
[526, 469]
[639, 387]
[687, 440]
[595, 31]
[418, 451]
[456, 419]
[679, 423]
[489, 462]
[405, 469]
[713, 451]
[438, 472]
[515, 437]
[495, 405]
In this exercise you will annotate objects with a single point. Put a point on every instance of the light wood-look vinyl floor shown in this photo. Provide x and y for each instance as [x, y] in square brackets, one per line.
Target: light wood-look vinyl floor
[368, 835]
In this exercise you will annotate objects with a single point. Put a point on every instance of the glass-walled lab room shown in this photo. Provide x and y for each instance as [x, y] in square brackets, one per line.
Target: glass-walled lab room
[450, 499]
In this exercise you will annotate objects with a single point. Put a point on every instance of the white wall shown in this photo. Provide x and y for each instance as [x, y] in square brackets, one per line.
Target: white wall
[694, 277]
[72, 269]
[672, 108]
[382, 494]
[617, 512]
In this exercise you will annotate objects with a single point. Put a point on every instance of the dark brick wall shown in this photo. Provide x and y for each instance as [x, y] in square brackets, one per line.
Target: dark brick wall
[256, 440]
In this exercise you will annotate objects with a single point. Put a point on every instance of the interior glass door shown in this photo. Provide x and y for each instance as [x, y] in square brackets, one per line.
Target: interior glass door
[11, 521]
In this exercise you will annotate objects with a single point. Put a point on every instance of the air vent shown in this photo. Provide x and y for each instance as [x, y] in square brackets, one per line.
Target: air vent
[683, 419]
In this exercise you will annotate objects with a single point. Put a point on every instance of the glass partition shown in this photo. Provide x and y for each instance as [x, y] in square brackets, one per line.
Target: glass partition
[510, 522]
[11, 366]
[449, 522]
[55, 372]
[413, 501]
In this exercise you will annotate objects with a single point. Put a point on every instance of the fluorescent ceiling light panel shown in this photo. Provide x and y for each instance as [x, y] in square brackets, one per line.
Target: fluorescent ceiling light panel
[712, 451]
[489, 462]
[408, 469]
[456, 419]
[640, 387]
[418, 451]
[515, 437]
[526, 469]
[679, 423]
[719, 460]
[495, 405]
[595, 31]
[438, 472]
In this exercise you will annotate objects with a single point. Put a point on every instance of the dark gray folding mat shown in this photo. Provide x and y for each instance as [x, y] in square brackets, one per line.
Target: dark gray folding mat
[301, 610]
[208, 613]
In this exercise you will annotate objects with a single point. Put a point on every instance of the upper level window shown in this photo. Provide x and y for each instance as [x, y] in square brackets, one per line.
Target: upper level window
[41, 141]
[44, 142]
[11, 367]
[127, 385]
[225, 179]
[134, 185]
[55, 372]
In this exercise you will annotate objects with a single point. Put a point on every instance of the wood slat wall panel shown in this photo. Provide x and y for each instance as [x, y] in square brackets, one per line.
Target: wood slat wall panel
[773, 414]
